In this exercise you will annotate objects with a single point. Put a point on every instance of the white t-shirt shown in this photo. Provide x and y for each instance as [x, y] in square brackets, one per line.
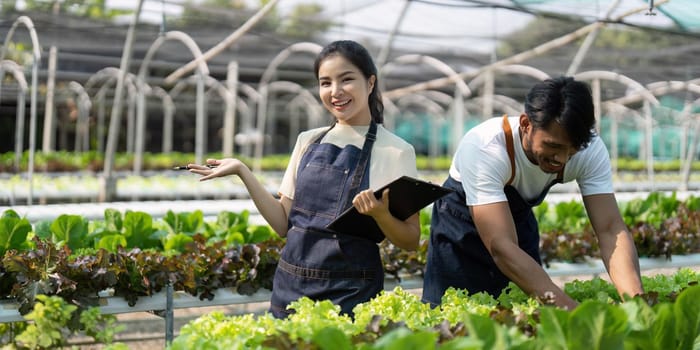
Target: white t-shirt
[482, 165]
[391, 157]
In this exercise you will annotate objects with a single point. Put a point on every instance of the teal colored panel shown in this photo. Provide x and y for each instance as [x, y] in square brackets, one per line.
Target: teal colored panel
[686, 13]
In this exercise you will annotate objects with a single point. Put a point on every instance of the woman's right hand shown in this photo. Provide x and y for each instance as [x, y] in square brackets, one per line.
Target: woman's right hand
[219, 168]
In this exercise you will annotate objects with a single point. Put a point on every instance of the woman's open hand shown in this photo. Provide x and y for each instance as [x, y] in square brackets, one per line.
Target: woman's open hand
[217, 168]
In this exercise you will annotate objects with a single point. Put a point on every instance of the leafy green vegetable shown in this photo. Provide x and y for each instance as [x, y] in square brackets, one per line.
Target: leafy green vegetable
[71, 230]
[13, 231]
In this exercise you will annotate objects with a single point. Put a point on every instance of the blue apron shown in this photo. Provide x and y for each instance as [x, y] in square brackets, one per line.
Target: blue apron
[317, 262]
[456, 255]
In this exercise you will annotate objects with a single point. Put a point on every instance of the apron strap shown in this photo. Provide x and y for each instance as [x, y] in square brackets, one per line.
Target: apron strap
[362, 164]
[323, 134]
[510, 147]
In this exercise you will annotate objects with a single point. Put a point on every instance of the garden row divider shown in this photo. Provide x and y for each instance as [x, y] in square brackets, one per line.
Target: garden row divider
[170, 300]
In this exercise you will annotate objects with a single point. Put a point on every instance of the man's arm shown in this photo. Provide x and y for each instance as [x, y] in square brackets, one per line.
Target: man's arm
[497, 230]
[616, 244]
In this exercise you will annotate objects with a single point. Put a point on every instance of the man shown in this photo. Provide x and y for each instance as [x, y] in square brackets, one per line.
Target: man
[485, 234]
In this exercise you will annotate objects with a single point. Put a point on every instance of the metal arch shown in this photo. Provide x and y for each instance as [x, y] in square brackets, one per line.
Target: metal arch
[160, 92]
[82, 130]
[36, 60]
[209, 82]
[101, 92]
[185, 39]
[432, 107]
[517, 58]
[487, 79]
[446, 101]
[230, 105]
[462, 89]
[390, 113]
[303, 101]
[595, 76]
[520, 69]
[267, 75]
[108, 183]
[620, 78]
[228, 95]
[36, 49]
[686, 117]
[110, 74]
[695, 137]
[107, 76]
[441, 66]
[246, 124]
[438, 96]
[250, 92]
[242, 107]
[660, 88]
[265, 89]
[506, 104]
[664, 87]
[18, 74]
[309, 47]
[617, 109]
[509, 105]
[291, 87]
[212, 85]
[423, 101]
[168, 115]
[202, 70]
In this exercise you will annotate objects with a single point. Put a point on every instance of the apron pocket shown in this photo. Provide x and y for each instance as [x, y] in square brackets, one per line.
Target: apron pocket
[311, 248]
[323, 196]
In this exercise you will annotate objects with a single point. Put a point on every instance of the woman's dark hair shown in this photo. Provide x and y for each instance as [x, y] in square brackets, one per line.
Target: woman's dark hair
[566, 101]
[360, 58]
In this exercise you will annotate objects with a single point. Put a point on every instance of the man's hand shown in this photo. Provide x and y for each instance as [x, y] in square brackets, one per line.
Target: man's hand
[495, 225]
[616, 243]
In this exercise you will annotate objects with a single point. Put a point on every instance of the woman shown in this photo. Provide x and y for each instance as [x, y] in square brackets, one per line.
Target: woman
[330, 169]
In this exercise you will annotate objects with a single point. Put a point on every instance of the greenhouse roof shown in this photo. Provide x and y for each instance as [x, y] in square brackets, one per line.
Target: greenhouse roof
[478, 25]
[681, 15]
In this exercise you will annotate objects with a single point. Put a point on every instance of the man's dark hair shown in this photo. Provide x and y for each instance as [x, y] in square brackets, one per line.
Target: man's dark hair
[360, 57]
[567, 102]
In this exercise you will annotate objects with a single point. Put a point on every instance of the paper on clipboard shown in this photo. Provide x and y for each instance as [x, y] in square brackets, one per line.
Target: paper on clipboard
[407, 196]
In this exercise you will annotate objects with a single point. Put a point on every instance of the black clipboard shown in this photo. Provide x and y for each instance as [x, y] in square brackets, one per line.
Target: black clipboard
[407, 196]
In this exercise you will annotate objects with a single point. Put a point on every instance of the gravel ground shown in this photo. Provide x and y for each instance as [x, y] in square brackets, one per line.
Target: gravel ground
[146, 331]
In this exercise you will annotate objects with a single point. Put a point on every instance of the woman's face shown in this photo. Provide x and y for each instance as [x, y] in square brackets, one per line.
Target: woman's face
[344, 90]
[549, 148]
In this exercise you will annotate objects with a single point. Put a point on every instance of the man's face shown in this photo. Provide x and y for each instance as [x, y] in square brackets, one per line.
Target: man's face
[548, 147]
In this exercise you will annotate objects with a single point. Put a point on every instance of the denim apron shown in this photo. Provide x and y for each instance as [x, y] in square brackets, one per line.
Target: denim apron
[456, 255]
[317, 262]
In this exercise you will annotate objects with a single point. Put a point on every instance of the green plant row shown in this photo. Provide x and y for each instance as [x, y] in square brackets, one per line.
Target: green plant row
[663, 215]
[64, 161]
[130, 230]
[396, 319]
[652, 210]
[399, 320]
[661, 226]
[137, 255]
[53, 320]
